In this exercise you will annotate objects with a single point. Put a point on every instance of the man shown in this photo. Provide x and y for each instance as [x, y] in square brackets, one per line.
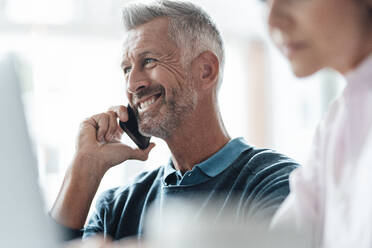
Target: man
[172, 62]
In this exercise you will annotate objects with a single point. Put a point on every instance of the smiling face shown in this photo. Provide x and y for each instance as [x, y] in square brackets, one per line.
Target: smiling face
[158, 86]
[314, 34]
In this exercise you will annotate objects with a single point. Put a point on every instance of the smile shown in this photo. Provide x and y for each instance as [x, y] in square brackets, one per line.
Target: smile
[148, 103]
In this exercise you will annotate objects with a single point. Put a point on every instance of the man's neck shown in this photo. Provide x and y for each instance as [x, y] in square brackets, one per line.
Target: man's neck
[197, 140]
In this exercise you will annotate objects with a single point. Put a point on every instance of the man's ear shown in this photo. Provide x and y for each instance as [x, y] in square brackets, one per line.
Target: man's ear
[207, 69]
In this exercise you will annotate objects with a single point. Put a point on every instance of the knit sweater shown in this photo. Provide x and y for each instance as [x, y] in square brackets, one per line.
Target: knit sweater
[254, 183]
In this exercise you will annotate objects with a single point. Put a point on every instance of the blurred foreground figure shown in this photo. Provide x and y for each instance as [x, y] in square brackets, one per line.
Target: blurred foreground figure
[172, 63]
[331, 195]
[182, 229]
[175, 229]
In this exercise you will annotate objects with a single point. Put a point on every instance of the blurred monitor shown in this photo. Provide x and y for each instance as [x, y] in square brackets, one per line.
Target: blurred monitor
[24, 222]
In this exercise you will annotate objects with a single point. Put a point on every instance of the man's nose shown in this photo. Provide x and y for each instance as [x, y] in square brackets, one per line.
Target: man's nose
[278, 14]
[137, 80]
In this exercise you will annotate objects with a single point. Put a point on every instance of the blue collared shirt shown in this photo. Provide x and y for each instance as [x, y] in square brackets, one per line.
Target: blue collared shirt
[207, 169]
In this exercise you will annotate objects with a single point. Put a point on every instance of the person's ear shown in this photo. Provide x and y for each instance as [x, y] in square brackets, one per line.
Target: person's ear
[207, 67]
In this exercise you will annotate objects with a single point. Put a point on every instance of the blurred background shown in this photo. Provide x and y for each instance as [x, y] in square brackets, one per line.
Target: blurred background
[69, 51]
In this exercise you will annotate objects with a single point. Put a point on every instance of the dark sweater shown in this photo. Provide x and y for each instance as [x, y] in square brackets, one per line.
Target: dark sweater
[254, 184]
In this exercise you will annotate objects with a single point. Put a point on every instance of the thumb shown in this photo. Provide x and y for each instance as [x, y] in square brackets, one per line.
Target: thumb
[117, 153]
[142, 154]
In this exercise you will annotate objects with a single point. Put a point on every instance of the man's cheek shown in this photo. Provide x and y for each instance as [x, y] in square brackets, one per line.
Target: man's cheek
[172, 72]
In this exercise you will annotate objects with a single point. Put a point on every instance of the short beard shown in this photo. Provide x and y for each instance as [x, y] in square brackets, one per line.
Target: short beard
[177, 110]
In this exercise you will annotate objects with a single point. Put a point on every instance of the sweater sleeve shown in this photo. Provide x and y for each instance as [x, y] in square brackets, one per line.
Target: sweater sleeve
[96, 223]
[271, 172]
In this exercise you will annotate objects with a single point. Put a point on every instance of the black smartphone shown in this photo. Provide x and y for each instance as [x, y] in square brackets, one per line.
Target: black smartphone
[131, 128]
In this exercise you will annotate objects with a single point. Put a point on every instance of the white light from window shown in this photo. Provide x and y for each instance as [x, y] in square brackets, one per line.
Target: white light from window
[55, 12]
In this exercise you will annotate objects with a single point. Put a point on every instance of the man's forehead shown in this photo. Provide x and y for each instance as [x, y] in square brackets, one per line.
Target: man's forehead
[151, 37]
[141, 46]
[152, 31]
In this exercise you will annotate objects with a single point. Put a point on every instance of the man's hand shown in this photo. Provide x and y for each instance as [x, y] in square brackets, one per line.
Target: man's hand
[99, 138]
[98, 149]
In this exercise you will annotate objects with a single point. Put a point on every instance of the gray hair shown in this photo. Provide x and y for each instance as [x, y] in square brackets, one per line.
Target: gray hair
[191, 28]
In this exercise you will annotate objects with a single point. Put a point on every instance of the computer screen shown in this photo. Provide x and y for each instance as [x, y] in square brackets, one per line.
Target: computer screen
[24, 221]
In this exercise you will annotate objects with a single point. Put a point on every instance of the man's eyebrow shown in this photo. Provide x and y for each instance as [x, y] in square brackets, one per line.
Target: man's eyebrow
[140, 55]
[122, 64]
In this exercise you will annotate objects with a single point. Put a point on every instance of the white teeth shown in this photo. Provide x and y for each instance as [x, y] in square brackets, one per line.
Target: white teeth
[146, 104]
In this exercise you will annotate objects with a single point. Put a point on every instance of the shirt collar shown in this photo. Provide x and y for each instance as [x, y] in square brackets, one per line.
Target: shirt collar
[361, 76]
[169, 169]
[219, 161]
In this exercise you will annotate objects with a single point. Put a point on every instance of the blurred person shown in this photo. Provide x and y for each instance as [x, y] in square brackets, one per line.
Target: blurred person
[331, 196]
[173, 60]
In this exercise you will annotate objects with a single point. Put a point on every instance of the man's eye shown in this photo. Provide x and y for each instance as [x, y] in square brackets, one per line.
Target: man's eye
[127, 69]
[148, 61]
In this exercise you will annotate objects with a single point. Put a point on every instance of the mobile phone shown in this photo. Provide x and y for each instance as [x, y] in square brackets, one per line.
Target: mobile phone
[131, 128]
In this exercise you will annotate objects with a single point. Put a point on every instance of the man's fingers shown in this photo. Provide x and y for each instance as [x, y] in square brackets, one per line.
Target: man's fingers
[113, 126]
[119, 132]
[102, 121]
[88, 129]
[103, 125]
[100, 136]
[121, 112]
[107, 125]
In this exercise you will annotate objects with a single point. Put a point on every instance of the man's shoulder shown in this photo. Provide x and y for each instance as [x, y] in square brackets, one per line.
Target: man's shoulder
[258, 160]
[263, 174]
[141, 183]
[129, 201]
